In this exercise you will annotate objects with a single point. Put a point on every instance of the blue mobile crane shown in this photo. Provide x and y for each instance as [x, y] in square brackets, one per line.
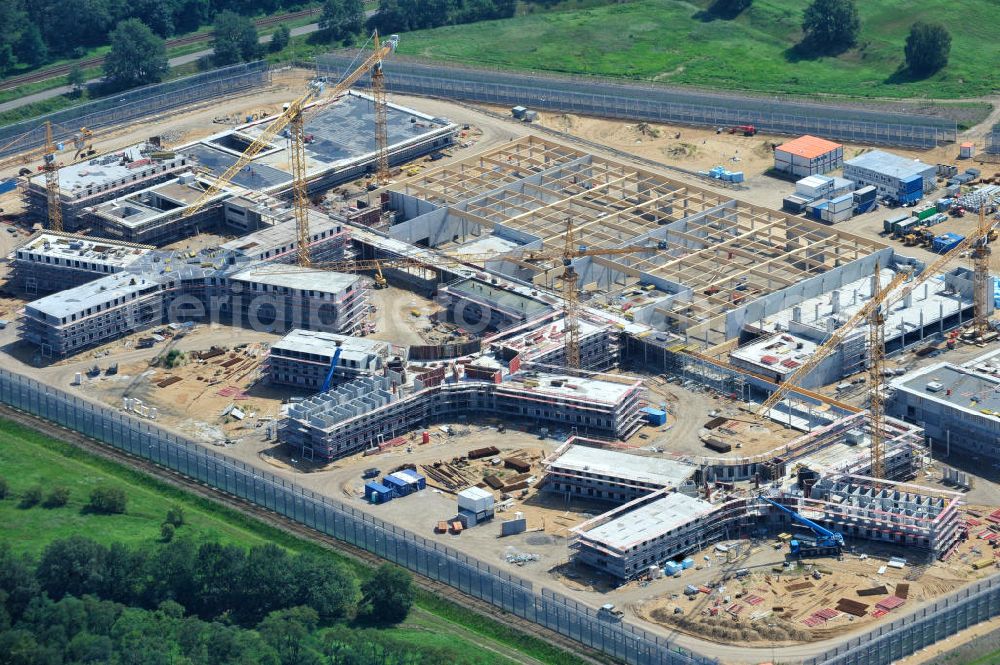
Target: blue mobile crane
[333, 368]
[825, 543]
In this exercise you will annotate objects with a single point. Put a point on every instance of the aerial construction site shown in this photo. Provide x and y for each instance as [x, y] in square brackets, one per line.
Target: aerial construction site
[659, 393]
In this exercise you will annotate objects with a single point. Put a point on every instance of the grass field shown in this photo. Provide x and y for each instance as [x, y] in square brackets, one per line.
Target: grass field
[28, 458]
[669, 41]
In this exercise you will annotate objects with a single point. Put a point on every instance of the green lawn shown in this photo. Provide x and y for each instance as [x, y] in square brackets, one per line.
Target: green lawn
[28, 458]
[667, 40]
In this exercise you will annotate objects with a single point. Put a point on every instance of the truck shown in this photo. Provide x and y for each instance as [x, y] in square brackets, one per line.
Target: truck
[609, 612]
[823, 543]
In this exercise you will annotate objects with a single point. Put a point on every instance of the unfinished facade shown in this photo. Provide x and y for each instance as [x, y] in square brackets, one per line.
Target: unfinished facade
[579, 470]
[366, 412]
[875, 509]
[53, 261]
[302, 358]
[627, 541]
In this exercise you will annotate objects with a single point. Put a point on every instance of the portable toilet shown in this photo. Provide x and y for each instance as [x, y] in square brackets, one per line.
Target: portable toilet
[377, 492]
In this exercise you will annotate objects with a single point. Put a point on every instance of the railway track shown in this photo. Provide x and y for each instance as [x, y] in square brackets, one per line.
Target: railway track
[62, 70]
[583, 653]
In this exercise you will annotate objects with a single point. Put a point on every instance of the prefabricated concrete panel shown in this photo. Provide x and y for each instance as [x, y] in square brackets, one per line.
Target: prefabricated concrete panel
[513, 527]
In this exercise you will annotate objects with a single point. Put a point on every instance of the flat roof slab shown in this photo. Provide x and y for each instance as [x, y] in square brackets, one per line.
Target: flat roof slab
[649, 521]
[664, 472]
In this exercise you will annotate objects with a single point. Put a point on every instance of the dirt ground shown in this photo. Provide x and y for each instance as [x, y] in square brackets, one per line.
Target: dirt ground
[772, 603]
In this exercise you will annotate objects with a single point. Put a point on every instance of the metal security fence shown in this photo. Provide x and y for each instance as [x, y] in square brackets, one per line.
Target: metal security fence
[915, 631]
[993, 140]
[430, 559]
[600, 97]
[625, 641]
[134, 104]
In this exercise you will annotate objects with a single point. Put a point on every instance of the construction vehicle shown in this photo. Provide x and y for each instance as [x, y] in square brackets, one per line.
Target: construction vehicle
[823, 543]
[746, 130]
[333, 368]
[608, 612]
[911, 239]
[380, 280]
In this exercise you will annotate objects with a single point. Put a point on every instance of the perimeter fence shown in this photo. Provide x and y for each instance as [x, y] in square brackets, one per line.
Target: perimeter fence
[333, 518]
[622, 640]
[654, 103]
[134, 104]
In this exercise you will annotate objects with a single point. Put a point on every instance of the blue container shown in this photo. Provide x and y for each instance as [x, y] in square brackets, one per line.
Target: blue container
[399, 487]
[672, 567]
[737, 176]
[687, 563]
[912, 183]
[655, 417]
[944, 243]
[377, 492]
[420, 481]
[7, 185]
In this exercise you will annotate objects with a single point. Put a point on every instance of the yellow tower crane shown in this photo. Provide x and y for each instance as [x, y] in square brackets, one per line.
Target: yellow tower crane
[51, 168]
[876, 379]
[293, 119]
[882, 300]
[981, 276]
[381, 120]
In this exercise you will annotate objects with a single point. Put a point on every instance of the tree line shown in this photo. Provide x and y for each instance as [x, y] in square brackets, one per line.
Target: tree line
[406, 15]
[83, 602]
[37, 31]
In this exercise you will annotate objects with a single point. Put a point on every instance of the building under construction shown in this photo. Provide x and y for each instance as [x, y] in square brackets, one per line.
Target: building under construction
[303, 358]
[141, 288]
[661, 526]
[143, 194]
[576, 469]
[370, 411]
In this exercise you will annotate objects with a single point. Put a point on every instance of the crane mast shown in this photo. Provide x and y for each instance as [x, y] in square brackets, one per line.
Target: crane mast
[981, 276]
[51, 169]
[876, 377]
[300, 198]
[571, 304]
[381, 121]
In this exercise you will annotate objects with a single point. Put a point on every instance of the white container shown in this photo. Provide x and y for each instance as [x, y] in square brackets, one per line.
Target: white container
[475, 500]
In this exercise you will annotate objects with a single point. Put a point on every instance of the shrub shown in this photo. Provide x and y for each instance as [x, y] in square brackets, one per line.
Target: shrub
[108, 500]
[167, 532]
[58, 497]
[4, 488]
[175, 516]
[31, 497]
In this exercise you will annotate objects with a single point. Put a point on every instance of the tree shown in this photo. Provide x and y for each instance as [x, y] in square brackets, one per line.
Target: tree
[927, 48]
[72, 566]
[287, 630]
[137, 56]
[31, 497]
[342, 20]
[266, 583]
[57, 498]
[326, 587]
[235, 39]
[76, 78]
[17, 581]
[387, 595]
[391, 17]
[830, 24]
[31, 49]
[217, 573]
[108, 500]
[280, 38]
[4, 488]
